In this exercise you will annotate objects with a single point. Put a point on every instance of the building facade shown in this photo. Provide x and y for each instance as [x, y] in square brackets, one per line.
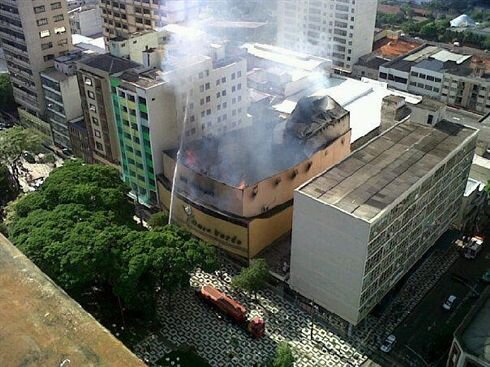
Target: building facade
[95, 91]
[457, 79]
[362, 225]
[197, 97]
[470, 341]
[342, 30]
[62, 97]
[124, 17]
[86, 20]
[32, 34]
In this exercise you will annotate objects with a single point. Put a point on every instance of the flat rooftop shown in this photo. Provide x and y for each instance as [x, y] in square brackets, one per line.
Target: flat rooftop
[108, 63]
[474, 333]
[374, 176]
[363, 99]
[286, 57]
[42, 325]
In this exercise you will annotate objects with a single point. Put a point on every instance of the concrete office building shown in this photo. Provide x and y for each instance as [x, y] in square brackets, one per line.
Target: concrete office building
[342, 30]
[124, 17]
[62, 97]
[472, 337]
[32, 34]
[361, 225]
[460, 80]
[93, 75]
[86, 20]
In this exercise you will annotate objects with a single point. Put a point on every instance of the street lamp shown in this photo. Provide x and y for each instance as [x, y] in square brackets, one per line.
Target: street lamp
[313, 308]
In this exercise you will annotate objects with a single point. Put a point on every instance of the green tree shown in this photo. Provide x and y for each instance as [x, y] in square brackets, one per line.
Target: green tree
[8, 188]
[284, 356]
[429, 31]
[7, 102]
[253, 278]
[15, 141]
[158, 220]
[96, 187]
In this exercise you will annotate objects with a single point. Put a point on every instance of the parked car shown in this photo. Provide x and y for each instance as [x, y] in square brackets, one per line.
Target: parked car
[449, 303]
[486, 277]
[388, 344]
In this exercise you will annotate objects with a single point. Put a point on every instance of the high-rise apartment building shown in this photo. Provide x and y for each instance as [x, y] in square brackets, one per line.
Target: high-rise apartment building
[62, 97]
[32, 34]
[359, 227]
[197, 96]
[342, 30]
[124, 17]
[95, 91]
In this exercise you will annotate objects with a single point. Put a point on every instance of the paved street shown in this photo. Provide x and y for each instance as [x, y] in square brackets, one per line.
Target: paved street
[429, 322]
[191, 323]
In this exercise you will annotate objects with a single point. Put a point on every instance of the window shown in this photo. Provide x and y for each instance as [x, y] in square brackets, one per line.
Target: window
[99, 146]
[208, 99]
[55, 6]
[45, 46]
[60, 30]
[95, 120]
[232, 76]
[207, 86]
[223, 93]
[63, 42]
[88, 81]
[97, 133]
[92, 107]
[91, 94]
[45, 33]
[42, 21]
[239, 86]
[48, 57]
[142, 100]
[58, 18]
[39, 9]
[223, 79]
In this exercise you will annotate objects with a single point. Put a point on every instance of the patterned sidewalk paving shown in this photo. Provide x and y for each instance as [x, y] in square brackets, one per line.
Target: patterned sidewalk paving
[192, 323]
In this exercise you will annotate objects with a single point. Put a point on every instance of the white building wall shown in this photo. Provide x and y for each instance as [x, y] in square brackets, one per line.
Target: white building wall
[328, 254]
[425, 82]
[87, 22]
[340, 29]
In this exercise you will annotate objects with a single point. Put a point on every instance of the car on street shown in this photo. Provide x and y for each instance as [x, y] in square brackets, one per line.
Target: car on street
[388, 343]
[449, 303]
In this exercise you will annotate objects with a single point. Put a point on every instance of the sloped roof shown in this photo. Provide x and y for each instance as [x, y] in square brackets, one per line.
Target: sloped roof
[463, 21]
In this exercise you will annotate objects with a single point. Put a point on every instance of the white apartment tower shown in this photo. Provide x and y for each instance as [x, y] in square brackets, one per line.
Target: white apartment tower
[342, 30]
[32, 34]
[124, 17]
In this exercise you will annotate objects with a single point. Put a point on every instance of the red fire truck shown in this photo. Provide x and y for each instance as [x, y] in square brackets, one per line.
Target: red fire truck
[234, 310]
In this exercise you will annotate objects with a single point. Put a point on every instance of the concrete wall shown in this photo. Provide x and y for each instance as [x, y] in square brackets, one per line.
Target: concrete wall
[328, 254]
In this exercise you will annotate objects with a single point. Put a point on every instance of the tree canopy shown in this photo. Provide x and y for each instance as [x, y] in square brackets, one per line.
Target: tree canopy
[7, 102]
[284, 356]
[253, 278]
[79, 229]
[15, 141]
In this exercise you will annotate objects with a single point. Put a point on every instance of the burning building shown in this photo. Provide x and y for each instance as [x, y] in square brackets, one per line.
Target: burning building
[236, 189]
